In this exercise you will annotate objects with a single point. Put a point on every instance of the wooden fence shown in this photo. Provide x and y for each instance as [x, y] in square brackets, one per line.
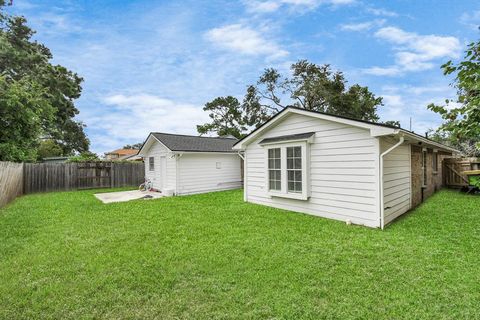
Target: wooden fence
[454, 168]
[17, 179]
[11, 181]
[45, 177]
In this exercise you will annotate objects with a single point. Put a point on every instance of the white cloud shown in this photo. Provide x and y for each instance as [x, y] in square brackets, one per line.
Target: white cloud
[414, 52]
[244, 40]
[362, 26]
[471, 19]
[382, 71]
[131, 117]
[257, 6]
[394, 105]
[402, 102]
[381, 12]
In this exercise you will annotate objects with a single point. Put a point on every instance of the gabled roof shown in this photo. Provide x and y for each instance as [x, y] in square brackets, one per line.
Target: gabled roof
[376, 129]
[186, 143]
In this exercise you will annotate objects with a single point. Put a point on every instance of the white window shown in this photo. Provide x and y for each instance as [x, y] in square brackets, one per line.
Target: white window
[151, 163]
[294, 169]
[274, 169]
[218, 165]
[287, 170]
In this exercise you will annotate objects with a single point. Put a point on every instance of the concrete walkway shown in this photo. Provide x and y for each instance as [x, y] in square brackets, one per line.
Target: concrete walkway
[123, 196]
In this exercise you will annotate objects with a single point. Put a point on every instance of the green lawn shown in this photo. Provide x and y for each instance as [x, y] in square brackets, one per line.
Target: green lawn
[66, 255]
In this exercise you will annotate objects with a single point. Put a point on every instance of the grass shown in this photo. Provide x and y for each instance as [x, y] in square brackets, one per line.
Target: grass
[66, 255]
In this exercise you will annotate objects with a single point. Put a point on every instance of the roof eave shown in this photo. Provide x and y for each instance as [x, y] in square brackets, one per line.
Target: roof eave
[429, 142]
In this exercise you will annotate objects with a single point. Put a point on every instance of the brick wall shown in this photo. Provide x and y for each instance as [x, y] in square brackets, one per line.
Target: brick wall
[434, 179]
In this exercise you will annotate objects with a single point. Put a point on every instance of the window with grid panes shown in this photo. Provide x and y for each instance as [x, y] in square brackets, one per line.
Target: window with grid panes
[274, 169]
[294, 169]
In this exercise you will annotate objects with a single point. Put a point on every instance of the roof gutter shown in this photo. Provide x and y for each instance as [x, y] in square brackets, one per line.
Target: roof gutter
[382, 209]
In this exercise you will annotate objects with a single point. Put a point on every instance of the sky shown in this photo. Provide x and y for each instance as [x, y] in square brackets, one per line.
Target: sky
[152, 65]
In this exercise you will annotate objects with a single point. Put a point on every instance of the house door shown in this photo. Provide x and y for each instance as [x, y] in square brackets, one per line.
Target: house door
[163, 170]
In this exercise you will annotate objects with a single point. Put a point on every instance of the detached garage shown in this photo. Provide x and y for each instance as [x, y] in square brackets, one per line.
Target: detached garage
[182, 164]
[339, 168]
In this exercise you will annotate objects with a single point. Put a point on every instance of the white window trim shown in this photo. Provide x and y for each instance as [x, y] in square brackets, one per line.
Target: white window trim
[150, 163]
[284, 193]
[435, 156]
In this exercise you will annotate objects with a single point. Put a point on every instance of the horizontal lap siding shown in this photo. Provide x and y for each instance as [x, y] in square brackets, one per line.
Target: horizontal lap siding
[157, 150]
[396, 179]
[198, 172]
[343, 178]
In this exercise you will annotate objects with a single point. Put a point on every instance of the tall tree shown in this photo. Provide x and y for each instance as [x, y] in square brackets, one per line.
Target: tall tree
[226, 115]
[309, 86]
[25, 63]
[462, 116]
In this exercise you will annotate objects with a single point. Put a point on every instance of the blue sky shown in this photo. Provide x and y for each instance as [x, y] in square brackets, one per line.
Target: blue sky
[152, 65]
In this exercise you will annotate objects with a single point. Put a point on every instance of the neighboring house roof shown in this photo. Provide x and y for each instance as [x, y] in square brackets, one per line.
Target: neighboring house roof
[376, 129]
[186, 143]
[123, 152]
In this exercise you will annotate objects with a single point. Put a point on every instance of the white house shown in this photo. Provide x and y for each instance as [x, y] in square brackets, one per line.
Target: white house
[182, 164]
[339, 168]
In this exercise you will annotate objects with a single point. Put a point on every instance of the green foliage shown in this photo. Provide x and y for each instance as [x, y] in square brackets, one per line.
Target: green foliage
[316, 87]
[25, 65]
[462, 117]
[392, 123]
[310, 86]
[66, 255]
[49, 148]
[23, 113]
[467, 147]
[85, 156]
[135, 146]
[226, 115]
[474, 181]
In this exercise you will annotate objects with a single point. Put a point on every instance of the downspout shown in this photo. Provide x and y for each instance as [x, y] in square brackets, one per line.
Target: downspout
[382, 209]
[177, 156]
[244, 156]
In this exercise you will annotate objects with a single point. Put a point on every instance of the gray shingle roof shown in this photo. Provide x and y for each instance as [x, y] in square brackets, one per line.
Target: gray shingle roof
[178, 142]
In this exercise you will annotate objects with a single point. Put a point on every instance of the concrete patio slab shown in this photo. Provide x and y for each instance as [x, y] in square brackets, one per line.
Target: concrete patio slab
[122, 196]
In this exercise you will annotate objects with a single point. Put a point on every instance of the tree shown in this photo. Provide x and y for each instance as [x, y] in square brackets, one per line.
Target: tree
[462, 117]
[392, 123]
[85, 156]
[467, 147]
[135, 146]
[25, 65]
[49, 148]
[226, 115]
[310, 86]
[22, 112]
[318, 88]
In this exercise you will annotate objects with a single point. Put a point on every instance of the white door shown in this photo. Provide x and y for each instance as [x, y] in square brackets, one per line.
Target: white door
[163, 170]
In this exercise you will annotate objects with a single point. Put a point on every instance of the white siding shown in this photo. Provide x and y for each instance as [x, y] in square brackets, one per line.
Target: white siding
[343, 171]
[157, 151]
[198, 172]
[396, 179]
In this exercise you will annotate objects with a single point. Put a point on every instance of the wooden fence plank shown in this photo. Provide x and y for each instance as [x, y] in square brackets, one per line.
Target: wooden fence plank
[454, 168]
[43, 177]
[11, 181]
